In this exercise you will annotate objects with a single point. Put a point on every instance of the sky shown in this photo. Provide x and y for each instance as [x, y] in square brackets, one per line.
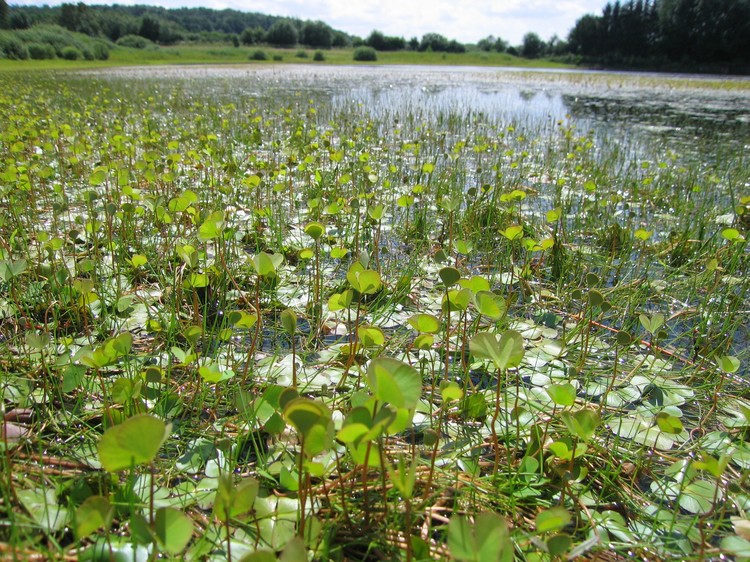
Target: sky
[467, 21]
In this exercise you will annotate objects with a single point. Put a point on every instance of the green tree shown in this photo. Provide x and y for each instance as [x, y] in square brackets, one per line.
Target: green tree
[68, 16]
[585, 37]
[4, 16]
[433, 42]
[533, 46]
[282, 33]
[149, 28]
[340, 39]
[252, 35]
[316, 34]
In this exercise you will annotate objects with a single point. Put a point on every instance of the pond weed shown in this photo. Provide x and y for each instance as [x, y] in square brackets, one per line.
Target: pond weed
[366, 330]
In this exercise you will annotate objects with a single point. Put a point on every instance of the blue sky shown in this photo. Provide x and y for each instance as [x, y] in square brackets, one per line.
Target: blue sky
[464, 20]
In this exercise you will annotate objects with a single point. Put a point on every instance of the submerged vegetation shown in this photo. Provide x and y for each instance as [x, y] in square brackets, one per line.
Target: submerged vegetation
[246, 317]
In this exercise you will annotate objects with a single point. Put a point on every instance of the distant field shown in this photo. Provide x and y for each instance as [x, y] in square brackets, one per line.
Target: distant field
[218, 54]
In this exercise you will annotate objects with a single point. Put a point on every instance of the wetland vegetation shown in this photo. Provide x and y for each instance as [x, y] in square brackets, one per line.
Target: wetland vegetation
[355, 314]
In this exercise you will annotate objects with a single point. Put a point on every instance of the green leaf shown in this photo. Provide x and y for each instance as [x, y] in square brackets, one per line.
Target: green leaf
[212, 227]
[425, 323]
[242, 319]
[558, 545]
[366, 281]
[514, 232]
[582, 423]
[552, 519]
[668, 423]
[698, 497]
[450, 391]
[233, 500]
[135, 441]
[728, 363]
[173, 529]
[394, 382]
[449, 276]
[652, 324]
[489, 304]
[486, 540]
[289, 321]
[562, 394]
[213, 373]
[315, 230]
[44, 508]
[266, 264]
[94, 513]
[371, 336]
[312, 420]
[455, 300]
[505, 353]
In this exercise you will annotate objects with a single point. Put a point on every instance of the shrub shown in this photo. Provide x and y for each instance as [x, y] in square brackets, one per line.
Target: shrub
[41, 51]
[101, 50]
[277, 57]
[12, 48]
[301, 54]
[71, 53]
[259, 54]
[366, 54]
[134, 42]
[87, 53]
[319, 56]
[56, 36]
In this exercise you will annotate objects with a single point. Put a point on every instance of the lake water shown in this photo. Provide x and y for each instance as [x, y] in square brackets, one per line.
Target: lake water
[682, 111]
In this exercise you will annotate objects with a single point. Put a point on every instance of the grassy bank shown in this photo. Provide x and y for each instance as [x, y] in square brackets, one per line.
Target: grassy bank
[221, 54]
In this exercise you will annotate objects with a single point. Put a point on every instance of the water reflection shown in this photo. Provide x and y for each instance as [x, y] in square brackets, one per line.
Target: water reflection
[677, 109]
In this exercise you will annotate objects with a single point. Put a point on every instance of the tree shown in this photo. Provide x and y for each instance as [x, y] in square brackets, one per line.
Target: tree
[68, 16]
[584, 39]
[376, 40]
[381, 42]
[149, 28]
[340, 39]
[533, 46]
[4, 17]
[282, 33]
[316, 34]
[252, 35]
[433, 42]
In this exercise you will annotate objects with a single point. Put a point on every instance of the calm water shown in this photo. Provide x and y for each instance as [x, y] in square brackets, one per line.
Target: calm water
[677, 109]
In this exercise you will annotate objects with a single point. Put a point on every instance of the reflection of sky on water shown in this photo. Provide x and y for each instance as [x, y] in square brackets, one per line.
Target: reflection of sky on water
[673, 109]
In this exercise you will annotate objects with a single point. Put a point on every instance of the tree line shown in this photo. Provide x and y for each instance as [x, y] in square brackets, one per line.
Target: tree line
[642, 31]
[631, 33]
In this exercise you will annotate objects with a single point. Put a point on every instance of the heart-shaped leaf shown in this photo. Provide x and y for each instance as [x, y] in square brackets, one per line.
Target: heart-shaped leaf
[135, 441]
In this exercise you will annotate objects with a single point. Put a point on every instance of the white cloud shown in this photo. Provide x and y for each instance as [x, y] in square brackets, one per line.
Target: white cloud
[464, 20]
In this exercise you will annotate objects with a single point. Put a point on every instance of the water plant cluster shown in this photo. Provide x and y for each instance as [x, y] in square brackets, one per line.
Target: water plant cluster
[241, 322]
